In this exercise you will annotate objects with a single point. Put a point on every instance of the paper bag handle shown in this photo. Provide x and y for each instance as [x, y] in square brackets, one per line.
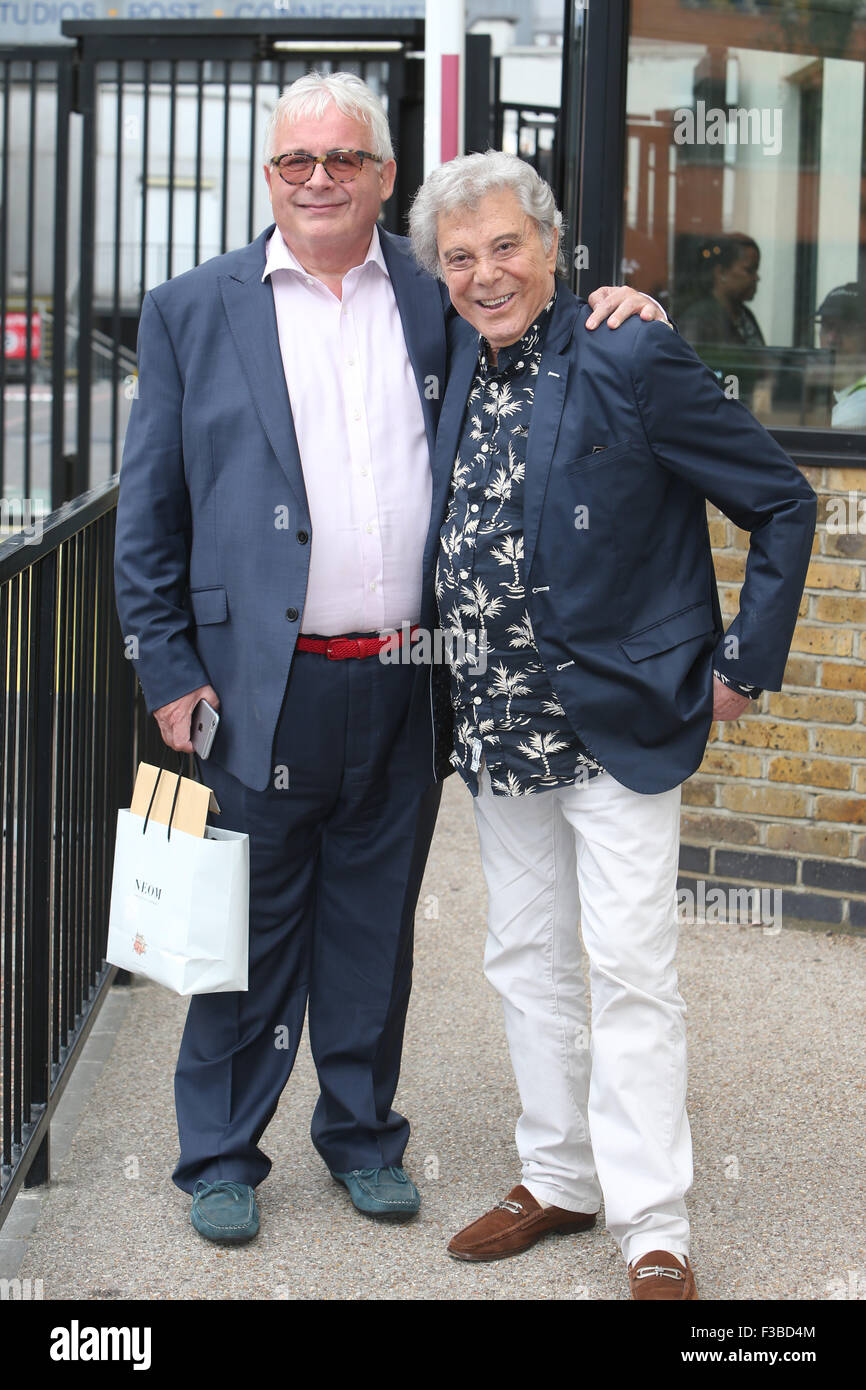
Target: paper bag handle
[162, 769]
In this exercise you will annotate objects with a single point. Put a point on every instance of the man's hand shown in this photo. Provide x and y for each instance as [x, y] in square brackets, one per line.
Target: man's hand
[174, 719]
[616, 303]
[727, 703]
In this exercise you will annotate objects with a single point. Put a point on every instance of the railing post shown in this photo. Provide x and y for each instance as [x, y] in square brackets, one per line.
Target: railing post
[38, 892]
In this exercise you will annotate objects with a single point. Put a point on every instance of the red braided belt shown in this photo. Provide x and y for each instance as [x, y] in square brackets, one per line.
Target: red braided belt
[341, 648]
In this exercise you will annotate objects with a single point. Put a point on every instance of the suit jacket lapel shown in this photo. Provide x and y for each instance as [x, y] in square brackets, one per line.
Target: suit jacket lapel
[550, 390]
[420, 305]
[461, 370]
[249, 307]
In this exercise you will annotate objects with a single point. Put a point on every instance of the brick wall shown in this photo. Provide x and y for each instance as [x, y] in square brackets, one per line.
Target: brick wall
[780, 798]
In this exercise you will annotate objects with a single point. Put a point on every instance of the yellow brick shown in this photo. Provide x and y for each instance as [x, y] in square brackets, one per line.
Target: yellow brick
[823, 574]
[803, 609]
[843, 479]
[814, 475]
[819, 709]
[730, 567]
[822, 641]
[805, 839]
[849, 743]
[741, 540]
[860, 780]
[801, 671]
[764, 801]
[699, 794]
[764, 733]
[832, 609]
[719, 830]
[837, 676]
[811, 772]
[724, 762]
[718, 534]
[852, 547]
[841, 808]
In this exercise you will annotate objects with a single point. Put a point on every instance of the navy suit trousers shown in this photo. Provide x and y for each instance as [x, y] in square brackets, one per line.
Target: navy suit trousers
[338, 844]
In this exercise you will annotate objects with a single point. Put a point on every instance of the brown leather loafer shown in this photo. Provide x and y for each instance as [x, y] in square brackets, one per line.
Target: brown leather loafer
[513, 1226]
[658, 1276]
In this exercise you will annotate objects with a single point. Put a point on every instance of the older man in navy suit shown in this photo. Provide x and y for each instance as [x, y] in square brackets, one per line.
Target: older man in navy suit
[570, 485]
[274, 503]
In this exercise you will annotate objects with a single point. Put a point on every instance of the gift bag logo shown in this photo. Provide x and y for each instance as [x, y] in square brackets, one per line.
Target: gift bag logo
[138, 945]
[147, 890]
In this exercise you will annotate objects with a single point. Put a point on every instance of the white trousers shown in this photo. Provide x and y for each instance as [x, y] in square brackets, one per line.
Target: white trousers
[603, 1108]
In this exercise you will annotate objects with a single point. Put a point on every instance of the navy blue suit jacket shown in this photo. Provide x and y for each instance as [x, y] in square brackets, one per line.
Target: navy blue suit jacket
[210, 559]
[630, 435]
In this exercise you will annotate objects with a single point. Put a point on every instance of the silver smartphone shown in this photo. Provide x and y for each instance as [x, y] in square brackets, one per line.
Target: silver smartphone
[203, 726]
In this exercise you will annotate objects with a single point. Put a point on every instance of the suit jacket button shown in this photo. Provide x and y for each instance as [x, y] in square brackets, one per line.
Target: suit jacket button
[303, 537]
[292, 615]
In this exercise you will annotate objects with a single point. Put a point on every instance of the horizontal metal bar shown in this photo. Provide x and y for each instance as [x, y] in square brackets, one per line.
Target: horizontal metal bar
[409, 30]
[17, 553]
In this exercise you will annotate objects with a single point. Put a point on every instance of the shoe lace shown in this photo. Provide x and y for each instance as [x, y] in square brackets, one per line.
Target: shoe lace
[237, 1190]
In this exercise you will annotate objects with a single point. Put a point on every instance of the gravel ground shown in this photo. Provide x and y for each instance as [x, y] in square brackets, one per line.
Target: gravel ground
[775, 1102]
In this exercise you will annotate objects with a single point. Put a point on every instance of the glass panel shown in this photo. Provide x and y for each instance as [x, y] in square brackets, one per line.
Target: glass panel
[745, 201]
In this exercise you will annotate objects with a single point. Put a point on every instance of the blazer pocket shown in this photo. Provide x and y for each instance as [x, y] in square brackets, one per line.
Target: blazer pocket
[600, 458]
[669, 632]
[209, 605]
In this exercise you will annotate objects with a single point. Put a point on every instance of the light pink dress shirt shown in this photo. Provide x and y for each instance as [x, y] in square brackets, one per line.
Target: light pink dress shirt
[360, 431]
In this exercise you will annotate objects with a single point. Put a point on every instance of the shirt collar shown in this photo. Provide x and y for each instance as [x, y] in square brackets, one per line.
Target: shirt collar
[530, 342]
[278, 256]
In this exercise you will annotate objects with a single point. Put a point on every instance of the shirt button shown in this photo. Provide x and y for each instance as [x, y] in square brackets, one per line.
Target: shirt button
[477, 700]
[356, 414]
[485, 448]
[370, 528]
[292, 615]
[519, 365]
[350, 361]
[364, 472]
[373, 585]
[303, 537]
[464, 574]
[474, 507]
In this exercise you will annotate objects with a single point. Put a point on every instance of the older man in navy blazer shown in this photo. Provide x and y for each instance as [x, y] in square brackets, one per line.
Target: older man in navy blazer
[274, 504]
[570, 485]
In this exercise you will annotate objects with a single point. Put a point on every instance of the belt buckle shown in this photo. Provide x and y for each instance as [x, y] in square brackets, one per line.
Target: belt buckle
[329, 652]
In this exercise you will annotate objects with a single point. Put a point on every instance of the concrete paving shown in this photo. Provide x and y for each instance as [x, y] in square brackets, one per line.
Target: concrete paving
[775, 1102]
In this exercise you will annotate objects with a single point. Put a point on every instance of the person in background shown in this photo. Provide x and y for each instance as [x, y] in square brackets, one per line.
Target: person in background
[842, 330]
[726, 279]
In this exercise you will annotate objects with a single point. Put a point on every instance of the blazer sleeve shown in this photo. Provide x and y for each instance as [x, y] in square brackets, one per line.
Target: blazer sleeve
[718, 446]
[151, 556]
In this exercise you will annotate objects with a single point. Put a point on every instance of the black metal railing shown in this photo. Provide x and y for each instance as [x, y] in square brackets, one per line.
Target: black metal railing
[72, 727]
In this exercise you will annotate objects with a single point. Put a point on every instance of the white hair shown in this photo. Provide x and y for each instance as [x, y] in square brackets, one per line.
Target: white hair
[311, 95]
[463, 182]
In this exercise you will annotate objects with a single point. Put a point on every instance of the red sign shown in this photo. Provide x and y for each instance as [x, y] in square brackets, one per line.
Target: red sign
[15, 335]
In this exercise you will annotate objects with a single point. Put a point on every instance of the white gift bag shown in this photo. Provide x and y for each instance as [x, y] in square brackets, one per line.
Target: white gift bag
[180, 905]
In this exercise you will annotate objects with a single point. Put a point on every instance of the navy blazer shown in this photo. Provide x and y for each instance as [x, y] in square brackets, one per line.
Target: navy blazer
[630, 435]
[212, 545]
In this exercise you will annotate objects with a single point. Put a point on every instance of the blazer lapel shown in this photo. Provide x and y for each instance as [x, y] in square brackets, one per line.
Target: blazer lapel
[550, 391]
[421, 313]
[464, 360]
[249, 306]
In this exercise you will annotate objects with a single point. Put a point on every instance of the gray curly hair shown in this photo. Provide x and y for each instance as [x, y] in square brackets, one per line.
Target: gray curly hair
[462, 183]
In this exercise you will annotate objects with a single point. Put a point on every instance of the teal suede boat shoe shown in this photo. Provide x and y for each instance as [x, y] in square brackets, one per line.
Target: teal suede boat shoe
[384, 1193]
[225, 1212]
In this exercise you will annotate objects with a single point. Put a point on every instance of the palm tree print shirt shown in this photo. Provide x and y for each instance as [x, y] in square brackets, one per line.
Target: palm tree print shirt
[508, 713]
